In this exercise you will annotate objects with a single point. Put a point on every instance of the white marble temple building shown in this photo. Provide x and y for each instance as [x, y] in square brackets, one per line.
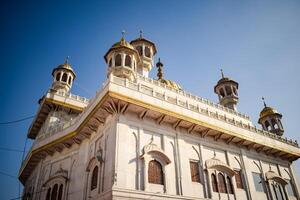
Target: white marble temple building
[144, 138]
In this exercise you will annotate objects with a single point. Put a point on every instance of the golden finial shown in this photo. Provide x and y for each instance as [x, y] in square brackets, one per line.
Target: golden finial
[141, 34]
[264, 101]
[222, 74]
[123, 34]
[159, 65]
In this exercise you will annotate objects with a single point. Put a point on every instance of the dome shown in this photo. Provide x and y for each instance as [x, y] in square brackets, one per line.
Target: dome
[171, 84]
[141, 39]
[118, 45]
[65, 66]
[268, 111]
[227, 80]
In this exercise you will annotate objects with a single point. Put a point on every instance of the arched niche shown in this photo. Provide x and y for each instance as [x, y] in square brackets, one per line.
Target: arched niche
[152, 152]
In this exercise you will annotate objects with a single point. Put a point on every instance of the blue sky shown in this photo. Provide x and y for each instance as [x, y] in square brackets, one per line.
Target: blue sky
[256, 43]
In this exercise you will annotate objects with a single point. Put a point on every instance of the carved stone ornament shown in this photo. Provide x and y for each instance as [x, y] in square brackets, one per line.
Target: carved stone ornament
[155, 150]
[271, 175]
[217, 164]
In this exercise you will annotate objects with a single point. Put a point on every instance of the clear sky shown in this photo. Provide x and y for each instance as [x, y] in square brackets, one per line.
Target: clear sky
[256, 43]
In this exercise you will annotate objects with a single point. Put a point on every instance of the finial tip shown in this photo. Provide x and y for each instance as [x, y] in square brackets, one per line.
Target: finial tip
[264, 101]
[67, 60]
[123, 33]
[141, 34]
[222, 73]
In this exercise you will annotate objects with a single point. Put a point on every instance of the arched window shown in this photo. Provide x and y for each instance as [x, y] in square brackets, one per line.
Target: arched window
[238, 179]
[229, 185]
[48, 194]
[54, 192]
[69, 81]
[214, 183]
[58, 77]
[60, 192]
[127, 61]
[94, 179]
[234, 90]
[222, 183]
[222, 93]
[274, 123]
[140, 50]
[228, 90]
[268, 126]
[147, 52]
[118, 60]
[155, 173]
[64, 78]
[110, 63]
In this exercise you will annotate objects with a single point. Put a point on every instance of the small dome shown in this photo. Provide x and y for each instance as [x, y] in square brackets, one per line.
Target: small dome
[171, 84]
[121, 44]
[268, 111]
[65, 66]
[141, 39]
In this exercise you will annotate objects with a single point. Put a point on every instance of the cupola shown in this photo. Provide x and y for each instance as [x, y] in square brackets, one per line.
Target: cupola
[63, 77]
[270, 119]
[146, 50]
[226, 89]
[122, 59]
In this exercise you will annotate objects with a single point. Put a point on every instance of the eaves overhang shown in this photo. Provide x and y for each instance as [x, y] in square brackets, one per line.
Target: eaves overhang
[53, 100]
[119, 96]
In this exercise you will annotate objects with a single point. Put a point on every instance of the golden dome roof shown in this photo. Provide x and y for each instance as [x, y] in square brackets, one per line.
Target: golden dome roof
[118, 45]
[65, 66]
[171, 84]
[268, 111]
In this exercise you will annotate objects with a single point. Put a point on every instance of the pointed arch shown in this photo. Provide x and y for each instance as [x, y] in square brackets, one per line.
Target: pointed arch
[140, 50]
[147, 52]
[94, 179]
[118, 60]
[128, 61]
[64, 77]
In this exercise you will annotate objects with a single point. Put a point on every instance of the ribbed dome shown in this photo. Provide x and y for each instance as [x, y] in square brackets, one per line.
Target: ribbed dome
[268, 111]
[118, 45]
[122, 43]
[65, 66]
[171, 84]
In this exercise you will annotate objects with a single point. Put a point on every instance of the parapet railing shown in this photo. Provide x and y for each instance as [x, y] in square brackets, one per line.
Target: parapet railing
[72, 96]
[195, 107]
[194, 97]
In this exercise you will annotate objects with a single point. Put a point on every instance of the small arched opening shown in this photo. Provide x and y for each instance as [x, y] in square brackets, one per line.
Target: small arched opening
[64, 77]
[118, 60]
[140, 50]
[128, 61]
[58, 76]
[94, 178]
[147, 52]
